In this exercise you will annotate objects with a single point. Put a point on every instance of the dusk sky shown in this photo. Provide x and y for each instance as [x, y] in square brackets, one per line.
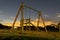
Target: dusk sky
[50, 8]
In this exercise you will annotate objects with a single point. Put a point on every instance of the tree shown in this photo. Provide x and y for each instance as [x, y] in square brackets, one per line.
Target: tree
[59, 26]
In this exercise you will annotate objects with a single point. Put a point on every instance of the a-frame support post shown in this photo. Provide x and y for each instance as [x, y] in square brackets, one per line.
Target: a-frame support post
[19, 9]
[43, 21]
[22, 18]
[38, 21]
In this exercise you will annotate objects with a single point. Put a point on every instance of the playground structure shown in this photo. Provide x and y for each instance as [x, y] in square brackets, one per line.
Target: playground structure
[27, 22]
[20, 11]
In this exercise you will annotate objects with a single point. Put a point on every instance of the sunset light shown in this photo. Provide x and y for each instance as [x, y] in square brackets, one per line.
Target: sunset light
[29, 19]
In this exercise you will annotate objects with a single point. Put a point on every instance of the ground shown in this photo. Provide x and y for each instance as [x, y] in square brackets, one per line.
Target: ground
[28, 35]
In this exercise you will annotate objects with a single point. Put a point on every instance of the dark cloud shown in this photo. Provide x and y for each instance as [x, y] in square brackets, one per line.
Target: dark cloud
[8, 8]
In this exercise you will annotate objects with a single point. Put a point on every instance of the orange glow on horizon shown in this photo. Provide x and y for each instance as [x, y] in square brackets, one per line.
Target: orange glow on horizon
[33, 22]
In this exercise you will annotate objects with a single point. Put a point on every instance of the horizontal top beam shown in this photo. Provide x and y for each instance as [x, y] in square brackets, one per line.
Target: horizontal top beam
[31, 8]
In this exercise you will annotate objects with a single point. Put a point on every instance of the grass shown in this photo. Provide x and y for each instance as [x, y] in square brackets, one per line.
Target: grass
[23, 38]
[6, 35]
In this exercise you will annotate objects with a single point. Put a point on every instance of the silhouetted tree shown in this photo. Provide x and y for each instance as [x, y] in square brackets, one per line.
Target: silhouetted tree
[4, 26]
[59, 26]
[41, 29]
[52, 28]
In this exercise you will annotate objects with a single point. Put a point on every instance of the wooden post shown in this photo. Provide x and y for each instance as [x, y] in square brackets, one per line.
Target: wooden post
[38, 20]
[43, 21]
[19, 9]
[22, 18]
